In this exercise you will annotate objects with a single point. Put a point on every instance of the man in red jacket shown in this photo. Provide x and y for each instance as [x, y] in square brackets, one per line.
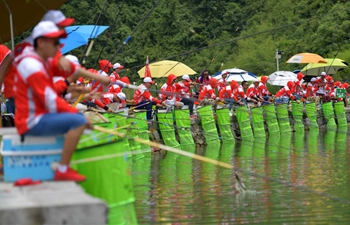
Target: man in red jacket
[39, 110]
[144, 99]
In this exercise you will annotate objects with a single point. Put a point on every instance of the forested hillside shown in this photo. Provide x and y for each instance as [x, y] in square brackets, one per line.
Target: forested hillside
[215, 34]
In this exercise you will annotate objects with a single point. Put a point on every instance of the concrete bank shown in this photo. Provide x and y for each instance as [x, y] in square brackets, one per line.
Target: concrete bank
[50, 203]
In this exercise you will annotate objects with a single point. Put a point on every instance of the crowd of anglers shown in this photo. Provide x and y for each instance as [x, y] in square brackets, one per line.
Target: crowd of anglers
[42, 87]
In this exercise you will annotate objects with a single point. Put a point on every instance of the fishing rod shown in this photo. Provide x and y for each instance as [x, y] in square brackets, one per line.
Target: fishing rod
[207, 39]
[177, 151]
[134, 30]
[229, 41]
[215, 162]
[87, 48]
[110, 30]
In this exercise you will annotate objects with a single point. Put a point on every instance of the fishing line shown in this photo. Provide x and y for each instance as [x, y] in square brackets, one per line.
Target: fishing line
[110, 30]
[135, 29]
[289, 184]
[41, 5]
[189, 54]
[229, 41]
[84, 56]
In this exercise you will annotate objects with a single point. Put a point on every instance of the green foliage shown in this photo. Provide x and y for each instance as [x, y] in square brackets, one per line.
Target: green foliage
[214, 34]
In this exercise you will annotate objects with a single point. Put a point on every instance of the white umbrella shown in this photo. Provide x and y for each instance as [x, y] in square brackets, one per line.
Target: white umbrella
[281, 78]
[236, 75]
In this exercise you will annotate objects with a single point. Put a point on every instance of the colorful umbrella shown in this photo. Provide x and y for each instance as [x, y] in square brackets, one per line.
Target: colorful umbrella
[332, 66]
[165, 67]
[306, 58]
[281, 78]
[236, 74]
[80, 35]
[25, 14]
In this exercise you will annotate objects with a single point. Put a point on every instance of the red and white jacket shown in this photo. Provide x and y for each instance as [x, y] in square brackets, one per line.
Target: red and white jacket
[221, 84]
[35, 91]
[115, 76]
[170, 88]
[97, 86]
[252, 92]
[226, 92]
[184, 89]
[142, 94]
[286, 91]
[107, 99]
[114, 88]
[9, 81]
[207, 92]
[240, 93]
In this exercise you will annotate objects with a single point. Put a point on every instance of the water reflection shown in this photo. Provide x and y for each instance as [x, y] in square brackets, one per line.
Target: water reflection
[179, 190]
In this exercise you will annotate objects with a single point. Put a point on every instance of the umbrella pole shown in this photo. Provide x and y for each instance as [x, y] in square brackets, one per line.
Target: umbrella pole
[91, 43]
[329, 67]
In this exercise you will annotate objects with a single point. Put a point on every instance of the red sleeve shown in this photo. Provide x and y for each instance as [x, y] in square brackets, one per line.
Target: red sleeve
[60, 86]
[221, 93]
[99, 103]
[47, 95]
[54, 67]
[212, 94]
[202, 94]
[162, 94]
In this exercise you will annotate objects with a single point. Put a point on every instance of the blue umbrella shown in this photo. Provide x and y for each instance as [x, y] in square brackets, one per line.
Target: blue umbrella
[80, 35]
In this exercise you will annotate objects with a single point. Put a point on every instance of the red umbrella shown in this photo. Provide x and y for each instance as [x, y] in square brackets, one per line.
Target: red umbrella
[25, 14]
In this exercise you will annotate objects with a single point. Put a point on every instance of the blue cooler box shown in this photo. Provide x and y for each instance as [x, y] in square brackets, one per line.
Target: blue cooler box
[31, 158]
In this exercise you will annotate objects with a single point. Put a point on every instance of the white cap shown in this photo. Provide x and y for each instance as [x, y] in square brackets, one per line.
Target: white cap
[117, 65]
[103, 73]
[186, 77]
[73, 59]
[58, 18]
[121, 95]
[323, 74]
[148, 80]
[47, 29]
[313, 79]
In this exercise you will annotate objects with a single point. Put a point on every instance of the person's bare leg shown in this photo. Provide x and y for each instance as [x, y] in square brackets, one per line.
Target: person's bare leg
[70, 144]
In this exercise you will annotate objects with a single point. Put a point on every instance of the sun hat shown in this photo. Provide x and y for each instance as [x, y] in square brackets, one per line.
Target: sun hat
[148, 80]
[73, 59]
[58, 18]
[121, 95]
[47, 29]
[117, 66]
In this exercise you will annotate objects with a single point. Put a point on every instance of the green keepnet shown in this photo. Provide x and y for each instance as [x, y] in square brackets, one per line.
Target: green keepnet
[283, 118]
[297, 112]
[183, 124]
[166, 127]
[328, 113]
[110, 180]
[224, 123]
[243, 119]
[208, 123]
[271, 118]
[258, 122]
[340, 114]
[311, 113]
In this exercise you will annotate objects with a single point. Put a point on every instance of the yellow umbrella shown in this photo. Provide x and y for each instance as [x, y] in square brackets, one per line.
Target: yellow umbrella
[331, 67]
[25, 14]
[165, 67]
[306, 58]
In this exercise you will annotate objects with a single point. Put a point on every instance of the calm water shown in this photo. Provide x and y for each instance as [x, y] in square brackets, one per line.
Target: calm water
[293, 178]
